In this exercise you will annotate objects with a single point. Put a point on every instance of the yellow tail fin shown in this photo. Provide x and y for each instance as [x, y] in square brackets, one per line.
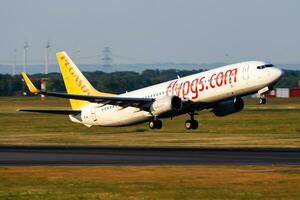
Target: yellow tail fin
[75, 82]
[29, 84]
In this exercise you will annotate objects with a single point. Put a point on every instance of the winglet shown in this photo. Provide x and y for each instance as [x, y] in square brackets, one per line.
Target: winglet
[30, 85]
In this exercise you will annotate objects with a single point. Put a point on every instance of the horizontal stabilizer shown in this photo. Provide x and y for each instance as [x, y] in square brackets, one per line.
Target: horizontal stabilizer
[61, 112]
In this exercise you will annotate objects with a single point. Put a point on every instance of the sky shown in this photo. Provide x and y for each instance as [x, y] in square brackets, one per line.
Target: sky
[152, 31]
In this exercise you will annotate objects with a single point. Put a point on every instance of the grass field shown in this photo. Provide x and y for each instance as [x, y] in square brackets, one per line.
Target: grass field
[275, 124]
[168, 182]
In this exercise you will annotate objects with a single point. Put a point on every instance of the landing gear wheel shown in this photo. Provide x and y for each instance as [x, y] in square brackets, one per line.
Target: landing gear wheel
[152, 124]
[195, 124]
[188, 124]
[158, 124]
[262, 101]
[155, 124]
[191, 124]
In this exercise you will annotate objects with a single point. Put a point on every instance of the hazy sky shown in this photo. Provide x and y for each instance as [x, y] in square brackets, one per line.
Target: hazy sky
[140, 31]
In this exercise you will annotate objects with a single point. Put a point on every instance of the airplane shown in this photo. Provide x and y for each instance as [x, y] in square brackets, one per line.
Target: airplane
[220, 90]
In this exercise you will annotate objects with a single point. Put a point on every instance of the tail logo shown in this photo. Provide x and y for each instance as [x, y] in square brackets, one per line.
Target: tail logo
[79, 82]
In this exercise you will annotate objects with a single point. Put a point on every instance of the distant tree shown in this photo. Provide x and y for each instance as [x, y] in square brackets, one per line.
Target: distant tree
[117, 82]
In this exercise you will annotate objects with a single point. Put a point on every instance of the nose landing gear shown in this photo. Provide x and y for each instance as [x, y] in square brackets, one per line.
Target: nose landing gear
[262, 100]
[262, 97]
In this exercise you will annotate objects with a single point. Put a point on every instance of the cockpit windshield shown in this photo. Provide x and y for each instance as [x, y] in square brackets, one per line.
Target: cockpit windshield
[265, 66]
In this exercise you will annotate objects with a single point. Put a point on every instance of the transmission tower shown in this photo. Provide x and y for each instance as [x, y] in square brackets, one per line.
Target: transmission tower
[107, 60]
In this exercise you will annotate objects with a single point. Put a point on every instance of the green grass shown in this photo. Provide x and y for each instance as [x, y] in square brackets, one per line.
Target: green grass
[168, 182]
[274, 124]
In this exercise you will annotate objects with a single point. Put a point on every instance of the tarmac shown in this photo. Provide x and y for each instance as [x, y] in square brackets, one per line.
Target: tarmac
[19, 155]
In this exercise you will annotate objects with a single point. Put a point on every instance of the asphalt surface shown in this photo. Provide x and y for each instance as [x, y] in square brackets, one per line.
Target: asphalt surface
[77, 155]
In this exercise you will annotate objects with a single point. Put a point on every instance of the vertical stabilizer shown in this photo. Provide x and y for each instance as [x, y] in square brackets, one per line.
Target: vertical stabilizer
[75, 81]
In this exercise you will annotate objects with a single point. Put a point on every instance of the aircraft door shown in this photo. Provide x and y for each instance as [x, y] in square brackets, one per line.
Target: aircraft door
[93, 113]
[246, 72]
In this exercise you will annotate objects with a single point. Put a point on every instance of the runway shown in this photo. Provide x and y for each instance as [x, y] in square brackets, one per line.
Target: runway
[79, 155]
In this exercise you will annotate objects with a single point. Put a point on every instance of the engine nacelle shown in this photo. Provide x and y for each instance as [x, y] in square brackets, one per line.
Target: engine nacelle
[166, 104]
[228, 107]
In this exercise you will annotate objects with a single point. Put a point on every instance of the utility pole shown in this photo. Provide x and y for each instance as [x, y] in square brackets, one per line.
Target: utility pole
[26, 49]
[47, 57]
[47, 63]
[14, 63]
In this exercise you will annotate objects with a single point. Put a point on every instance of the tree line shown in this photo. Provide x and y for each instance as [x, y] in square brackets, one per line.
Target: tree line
[116, 82]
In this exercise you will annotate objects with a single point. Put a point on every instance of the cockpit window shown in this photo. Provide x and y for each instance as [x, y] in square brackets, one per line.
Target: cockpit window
[269, 65]
[265, 66]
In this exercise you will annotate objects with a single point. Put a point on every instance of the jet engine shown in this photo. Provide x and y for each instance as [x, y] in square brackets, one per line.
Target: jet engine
[166, 104]
[228, 107]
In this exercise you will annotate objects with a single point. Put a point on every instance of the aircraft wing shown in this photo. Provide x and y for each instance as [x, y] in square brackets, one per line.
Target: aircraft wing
[52, 111]
[116, 100]
[143, 103]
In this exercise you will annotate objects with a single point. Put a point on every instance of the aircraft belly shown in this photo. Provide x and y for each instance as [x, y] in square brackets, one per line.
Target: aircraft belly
[123, 117]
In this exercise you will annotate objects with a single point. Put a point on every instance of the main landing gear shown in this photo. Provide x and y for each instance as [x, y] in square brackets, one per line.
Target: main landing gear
[155, 124]
[192, 123]
[189, 124]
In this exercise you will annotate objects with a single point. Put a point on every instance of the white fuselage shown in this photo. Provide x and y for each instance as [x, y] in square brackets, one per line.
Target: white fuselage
[206, 87]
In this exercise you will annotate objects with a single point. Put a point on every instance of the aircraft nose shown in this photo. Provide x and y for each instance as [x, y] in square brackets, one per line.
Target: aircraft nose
[277, 73]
